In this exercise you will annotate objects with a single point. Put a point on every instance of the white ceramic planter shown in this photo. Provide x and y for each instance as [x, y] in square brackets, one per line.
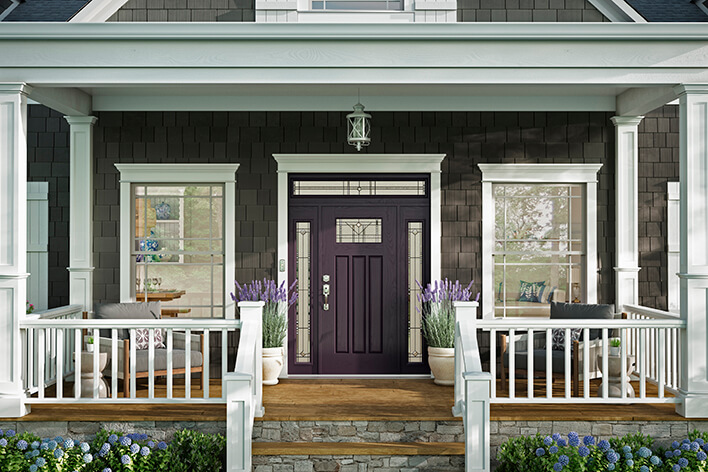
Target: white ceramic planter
[442, 363]
[272, 364]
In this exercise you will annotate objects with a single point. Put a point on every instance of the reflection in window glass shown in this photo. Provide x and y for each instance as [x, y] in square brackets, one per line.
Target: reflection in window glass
[539, 247]
[178, 252]
[302, 271]
[415, 275]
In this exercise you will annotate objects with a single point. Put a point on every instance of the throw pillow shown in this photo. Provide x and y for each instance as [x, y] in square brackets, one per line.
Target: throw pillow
[530, 291]
[142, 339]
[558, 337]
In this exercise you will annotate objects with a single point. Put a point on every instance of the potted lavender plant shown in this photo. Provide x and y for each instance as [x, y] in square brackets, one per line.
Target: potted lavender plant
[275, 320]
[439, 326]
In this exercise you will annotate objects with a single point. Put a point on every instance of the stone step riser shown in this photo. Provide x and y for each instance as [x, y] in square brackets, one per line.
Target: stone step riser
[358, 431]
[363, 463]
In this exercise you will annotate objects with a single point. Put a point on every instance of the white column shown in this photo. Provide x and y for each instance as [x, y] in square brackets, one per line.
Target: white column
[13, 243]
[693, 388]
[627, 210]
[673, 243]
[81, 210]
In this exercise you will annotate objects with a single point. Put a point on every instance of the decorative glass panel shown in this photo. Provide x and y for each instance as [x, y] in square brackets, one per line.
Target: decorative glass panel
[539, 247]
[359, 187]
[358, 230]
[177, 252]
[358, 5]
[415, 275]
[302, 271]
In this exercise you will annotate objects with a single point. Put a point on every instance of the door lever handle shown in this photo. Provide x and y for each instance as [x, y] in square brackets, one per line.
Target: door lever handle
[325, 292]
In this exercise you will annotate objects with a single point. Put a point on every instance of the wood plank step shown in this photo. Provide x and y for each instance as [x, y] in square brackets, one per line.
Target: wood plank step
[360, 448]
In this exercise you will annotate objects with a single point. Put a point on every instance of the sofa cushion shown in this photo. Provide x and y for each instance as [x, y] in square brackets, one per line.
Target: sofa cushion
[582, 311]
[141, 360]
[125, 311]
[531, 291]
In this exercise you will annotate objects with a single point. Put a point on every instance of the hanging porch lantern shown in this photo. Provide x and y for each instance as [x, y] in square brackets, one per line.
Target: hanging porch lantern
[358, 127]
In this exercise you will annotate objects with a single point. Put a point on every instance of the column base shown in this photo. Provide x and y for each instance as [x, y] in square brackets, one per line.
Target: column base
[13, 407]
[695, 405]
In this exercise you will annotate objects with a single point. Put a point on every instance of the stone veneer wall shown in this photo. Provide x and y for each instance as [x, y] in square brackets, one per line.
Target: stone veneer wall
[48, 161]
[467, 11]
[251, 138]
[658, 164]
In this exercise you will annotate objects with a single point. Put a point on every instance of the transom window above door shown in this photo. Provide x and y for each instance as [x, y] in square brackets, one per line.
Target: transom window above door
[359, 187]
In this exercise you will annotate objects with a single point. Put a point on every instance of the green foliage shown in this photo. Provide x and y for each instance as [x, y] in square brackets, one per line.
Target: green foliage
[615, 342]
[439, 325]
[189, 452]
[192, 451]
[275, 324]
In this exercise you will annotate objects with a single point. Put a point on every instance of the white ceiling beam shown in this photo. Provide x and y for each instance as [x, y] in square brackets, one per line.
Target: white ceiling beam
[641, 100]
[68, 101]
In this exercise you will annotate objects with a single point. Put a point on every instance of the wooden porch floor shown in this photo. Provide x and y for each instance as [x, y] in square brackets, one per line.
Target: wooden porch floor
[348, 399]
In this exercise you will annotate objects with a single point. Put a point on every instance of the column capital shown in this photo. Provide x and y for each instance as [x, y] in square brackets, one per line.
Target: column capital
[19, 87]
[81, 120]
[626, 120]
[687, 89]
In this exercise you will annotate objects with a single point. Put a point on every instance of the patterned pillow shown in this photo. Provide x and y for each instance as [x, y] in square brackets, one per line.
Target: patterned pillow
[531, 291]
[558, 337]
[142, 339]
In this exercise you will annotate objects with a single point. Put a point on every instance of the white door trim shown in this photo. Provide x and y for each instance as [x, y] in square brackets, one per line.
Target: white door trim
[361, 164]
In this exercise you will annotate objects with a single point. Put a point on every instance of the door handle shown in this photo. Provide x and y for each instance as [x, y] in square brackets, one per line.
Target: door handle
[325, 292]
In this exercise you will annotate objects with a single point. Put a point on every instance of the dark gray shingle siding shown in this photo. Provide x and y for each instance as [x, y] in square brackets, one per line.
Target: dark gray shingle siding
[669, 10]
[46, 10]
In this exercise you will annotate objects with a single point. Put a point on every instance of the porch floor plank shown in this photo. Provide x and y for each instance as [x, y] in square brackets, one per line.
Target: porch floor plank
[363, 448]
[348, 400]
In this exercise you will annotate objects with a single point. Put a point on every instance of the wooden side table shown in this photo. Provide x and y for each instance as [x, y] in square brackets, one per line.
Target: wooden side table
[614, 376]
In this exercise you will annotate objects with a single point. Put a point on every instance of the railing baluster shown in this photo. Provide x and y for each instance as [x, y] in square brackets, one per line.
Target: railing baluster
[114, 363]
[586, 363]
[493, 361]
[188, 363]
[96, 363]
[224, 359]
[605, 372]
[205, 364]
[529, 363]
[151, 363]
[60, 364]
[78, 345]
[662, 363]
[549, 363]
[623, 362]
[512, 363]
[169, 364]
[40, 361]
[133, 370]
[642, 361]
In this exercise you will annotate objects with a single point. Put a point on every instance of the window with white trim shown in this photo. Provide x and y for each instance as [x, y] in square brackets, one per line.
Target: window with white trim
[539, 225]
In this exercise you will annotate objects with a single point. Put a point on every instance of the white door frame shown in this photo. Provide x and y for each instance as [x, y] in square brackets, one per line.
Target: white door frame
[357, 164]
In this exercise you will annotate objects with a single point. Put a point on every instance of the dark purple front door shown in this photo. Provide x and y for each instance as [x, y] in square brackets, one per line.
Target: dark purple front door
[358, 324]
[351, 256]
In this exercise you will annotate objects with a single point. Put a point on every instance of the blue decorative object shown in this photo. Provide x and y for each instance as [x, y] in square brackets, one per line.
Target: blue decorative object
[163, 211]
[531, 291]
[148, 245]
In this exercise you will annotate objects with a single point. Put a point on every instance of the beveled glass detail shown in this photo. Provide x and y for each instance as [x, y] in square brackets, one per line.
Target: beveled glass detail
[358, 230]
[302, 272]
[359, 187]
[415, 274]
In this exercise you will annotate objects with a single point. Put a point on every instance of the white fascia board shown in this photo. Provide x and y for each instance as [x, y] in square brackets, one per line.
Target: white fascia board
[67, 101]
[618, 11]
[97, 11]
[358, 163]
[339, 103]
[534, 173]
[183, 173]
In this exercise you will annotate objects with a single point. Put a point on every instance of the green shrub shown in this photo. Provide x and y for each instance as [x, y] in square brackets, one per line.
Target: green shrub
[192, 451]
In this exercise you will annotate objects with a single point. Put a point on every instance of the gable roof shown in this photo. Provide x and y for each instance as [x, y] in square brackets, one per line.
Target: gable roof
[46, 10]
[669, 10]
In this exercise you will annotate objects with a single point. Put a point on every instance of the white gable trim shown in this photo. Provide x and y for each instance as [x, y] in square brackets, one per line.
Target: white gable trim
[98, 11]
[9, 9]
[618, 11]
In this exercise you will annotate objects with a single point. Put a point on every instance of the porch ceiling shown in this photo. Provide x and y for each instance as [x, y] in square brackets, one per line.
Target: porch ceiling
[195, 66]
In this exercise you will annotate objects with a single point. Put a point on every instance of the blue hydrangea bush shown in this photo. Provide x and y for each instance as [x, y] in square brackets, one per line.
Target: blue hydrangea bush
[108, 452]
[573, 453]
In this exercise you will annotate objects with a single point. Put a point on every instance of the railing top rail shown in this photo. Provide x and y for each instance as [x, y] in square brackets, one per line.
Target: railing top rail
[652, 312]
[165, 323]
[526, 323]
[59, 311]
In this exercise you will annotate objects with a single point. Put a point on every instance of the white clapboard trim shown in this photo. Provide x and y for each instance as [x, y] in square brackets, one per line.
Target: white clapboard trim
[38, 244]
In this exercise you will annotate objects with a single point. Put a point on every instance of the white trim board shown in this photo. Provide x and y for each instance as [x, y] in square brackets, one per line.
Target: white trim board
[352, 164]
[181, 174]
[538, 173]
[97, 11]
[618, 11]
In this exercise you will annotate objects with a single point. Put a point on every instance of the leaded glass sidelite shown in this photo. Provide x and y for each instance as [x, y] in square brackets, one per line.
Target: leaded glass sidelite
[415, 275]
[302, 270]
[539, 246]
[359, 187]
[178, 251]
[358, 230]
